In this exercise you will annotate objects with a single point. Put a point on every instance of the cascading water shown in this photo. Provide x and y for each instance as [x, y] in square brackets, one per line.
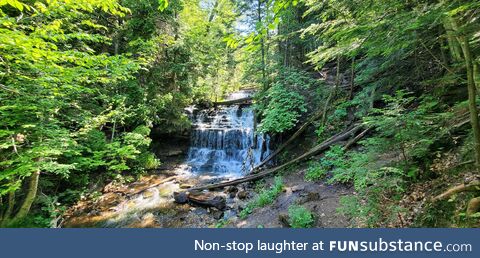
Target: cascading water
[223, 144]
[223, 141]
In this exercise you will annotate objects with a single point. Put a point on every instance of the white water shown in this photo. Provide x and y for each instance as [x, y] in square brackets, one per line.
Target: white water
[223, 144]
[223, 141]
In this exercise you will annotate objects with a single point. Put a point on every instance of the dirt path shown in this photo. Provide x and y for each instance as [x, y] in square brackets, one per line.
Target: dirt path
[318, 197]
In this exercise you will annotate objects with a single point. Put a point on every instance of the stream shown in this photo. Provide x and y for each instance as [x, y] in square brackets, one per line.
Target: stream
[223, 146]
[223, 141]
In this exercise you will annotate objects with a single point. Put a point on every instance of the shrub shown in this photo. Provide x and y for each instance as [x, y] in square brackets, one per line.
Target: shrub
[300, 217]
[282, 105]
[264, 198]
[315, 172]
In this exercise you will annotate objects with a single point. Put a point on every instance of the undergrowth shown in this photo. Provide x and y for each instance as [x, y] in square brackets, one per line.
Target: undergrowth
[265, 197]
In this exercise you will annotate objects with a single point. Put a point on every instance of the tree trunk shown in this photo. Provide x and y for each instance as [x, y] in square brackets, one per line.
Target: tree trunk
[31, 195]
[11, 205]
[332, 94]
[262, 45]
[452, 41]
[290, 140]
[472, 90]
[476, 75]
[352, 79]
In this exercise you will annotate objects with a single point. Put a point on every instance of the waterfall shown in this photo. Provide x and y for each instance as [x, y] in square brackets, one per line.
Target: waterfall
[223, 141]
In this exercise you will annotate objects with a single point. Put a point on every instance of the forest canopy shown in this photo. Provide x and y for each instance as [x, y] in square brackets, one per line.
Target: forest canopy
[87, 85]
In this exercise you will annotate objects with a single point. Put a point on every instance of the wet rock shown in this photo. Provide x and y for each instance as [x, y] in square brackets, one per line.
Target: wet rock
[180, 197]
[200, 211]
[147, 194]
[309, 197]
[242, 195]
[217, 214]
[229, 214]
[231, 189]
[200, 199]
[185, 186]
[283, 219]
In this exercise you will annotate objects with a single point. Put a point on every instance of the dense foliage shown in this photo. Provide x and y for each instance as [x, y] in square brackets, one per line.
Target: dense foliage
[85, 85]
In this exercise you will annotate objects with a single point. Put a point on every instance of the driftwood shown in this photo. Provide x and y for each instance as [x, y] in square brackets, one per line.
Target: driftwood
[202, 199]
[290, 140]
[247, 100]
[314, 151]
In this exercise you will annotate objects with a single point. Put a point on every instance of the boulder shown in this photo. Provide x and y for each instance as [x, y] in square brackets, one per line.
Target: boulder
[180, 197]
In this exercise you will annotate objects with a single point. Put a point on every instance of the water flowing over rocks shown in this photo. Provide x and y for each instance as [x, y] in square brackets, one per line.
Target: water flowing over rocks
[223, 141]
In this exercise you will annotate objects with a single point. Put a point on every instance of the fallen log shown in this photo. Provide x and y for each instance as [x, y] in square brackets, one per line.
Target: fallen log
[357, 138]
[201, 199]
[285, 144]
[314, 151]
[247, 100]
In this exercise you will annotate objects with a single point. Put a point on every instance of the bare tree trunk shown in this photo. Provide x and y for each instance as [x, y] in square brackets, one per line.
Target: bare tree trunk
[11, 205]
[352, 78]
[476, 76]
[332, 93]
[278, 150]
[472, 90]
[262, 45]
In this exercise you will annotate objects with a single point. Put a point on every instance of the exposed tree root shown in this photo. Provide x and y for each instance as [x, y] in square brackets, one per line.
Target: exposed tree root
[473, 206]
[472, 186]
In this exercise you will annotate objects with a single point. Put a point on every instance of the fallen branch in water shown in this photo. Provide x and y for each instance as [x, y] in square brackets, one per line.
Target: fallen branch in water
[314, 151]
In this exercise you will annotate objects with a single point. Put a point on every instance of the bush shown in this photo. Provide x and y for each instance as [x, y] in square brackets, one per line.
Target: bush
[300, 217]
[333, 158]
[264, 198]
[285, 101]
[315, 172]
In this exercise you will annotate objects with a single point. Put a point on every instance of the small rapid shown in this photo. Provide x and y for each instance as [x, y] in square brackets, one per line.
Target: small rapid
[224, 141]
[223, 144]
